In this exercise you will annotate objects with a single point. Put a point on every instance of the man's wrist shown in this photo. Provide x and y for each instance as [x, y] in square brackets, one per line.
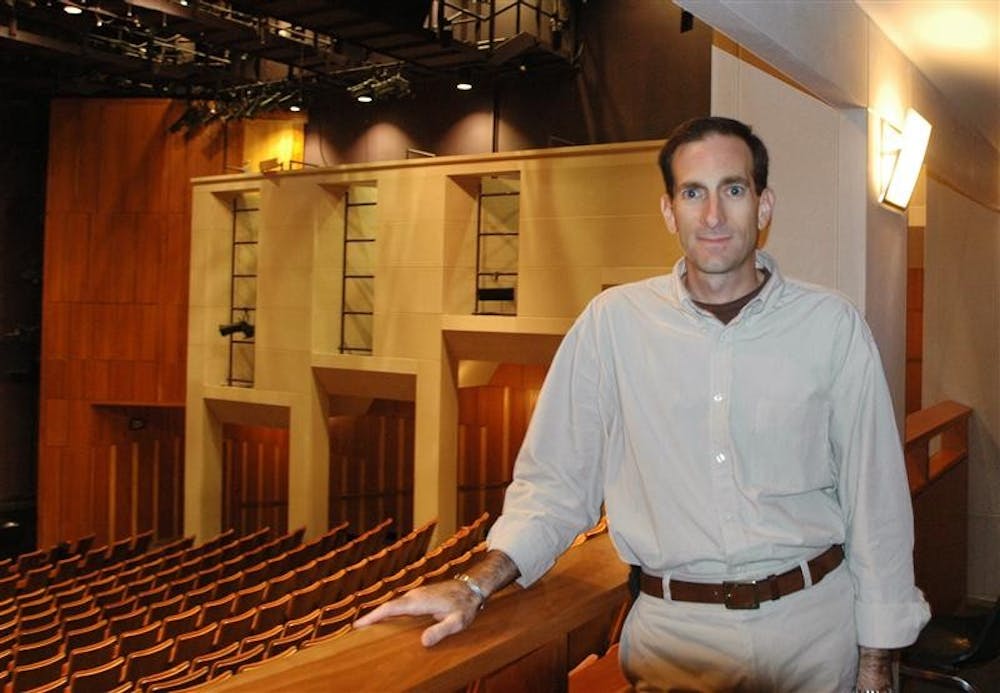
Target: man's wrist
[473, 587]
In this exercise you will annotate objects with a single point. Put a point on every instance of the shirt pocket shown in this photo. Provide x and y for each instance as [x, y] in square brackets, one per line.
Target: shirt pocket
[790, 446]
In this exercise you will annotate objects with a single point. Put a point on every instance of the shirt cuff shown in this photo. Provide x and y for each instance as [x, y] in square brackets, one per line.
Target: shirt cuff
[889, 626]
[530, 553]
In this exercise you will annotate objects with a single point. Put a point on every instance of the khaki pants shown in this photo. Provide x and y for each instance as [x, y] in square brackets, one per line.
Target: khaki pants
[804, 642]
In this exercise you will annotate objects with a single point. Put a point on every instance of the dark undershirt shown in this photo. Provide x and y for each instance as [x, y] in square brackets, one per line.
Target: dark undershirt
[725, 312]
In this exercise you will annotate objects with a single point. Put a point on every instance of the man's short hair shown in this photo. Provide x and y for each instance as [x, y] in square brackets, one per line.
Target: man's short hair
[698, 129]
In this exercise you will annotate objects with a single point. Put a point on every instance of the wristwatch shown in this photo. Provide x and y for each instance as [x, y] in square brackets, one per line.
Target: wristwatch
[474, 587]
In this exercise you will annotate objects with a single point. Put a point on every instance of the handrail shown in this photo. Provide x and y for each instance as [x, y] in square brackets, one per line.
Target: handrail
[947, 421]
[584, 583]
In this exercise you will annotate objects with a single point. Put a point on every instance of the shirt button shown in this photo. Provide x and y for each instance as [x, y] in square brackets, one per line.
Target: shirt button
[720, 458]
[718, 397]
[729, 517]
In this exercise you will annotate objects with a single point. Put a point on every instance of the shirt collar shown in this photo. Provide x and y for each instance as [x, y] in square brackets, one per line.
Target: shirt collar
[765, 299]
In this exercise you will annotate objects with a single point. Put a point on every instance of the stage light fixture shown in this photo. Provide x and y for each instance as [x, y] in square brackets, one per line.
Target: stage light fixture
[240, 326]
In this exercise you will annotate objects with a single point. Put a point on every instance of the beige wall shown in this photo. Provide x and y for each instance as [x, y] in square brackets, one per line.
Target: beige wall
[962, 354]
[589, 217]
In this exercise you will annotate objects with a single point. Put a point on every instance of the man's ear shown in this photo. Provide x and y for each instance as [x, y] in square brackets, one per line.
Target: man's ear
[667, 210]
[765, 206]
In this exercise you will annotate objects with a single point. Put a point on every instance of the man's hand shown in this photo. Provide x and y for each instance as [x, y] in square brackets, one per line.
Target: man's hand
[874, 669]
[452, 604]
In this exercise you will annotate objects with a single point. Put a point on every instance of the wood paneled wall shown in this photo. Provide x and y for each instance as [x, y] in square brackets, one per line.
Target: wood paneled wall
[371, 466]
[493, 419]
[254, 478]
[114, 315]
[137, 483]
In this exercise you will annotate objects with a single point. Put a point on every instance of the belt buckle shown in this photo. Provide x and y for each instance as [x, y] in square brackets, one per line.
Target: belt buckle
[729, 595]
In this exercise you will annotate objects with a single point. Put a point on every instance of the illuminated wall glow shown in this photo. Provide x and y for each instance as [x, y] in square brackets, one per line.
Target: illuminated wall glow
[955, 28]
[266, 139]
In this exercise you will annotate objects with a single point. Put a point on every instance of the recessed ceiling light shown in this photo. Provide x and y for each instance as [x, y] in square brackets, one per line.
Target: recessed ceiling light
[464, 85]
[72, 9]
[365, 98]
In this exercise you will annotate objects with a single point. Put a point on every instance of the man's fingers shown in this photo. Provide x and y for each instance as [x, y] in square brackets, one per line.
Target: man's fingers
[397, 607]
[449, 625]
[452, 608]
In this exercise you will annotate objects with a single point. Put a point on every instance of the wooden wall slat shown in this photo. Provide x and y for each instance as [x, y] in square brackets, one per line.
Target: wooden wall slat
[493, 419]
[117, 239]
[371, 466]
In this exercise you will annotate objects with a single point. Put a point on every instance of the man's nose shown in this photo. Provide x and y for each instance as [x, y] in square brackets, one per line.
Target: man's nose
[714, 214]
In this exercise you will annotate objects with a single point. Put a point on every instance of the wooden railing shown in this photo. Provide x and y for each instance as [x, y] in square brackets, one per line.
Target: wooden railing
[937, 448]
[948, 421]
[540, 632]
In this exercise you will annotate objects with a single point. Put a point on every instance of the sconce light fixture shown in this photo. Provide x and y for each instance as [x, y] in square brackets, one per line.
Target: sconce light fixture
[902, 156]
[241, 326]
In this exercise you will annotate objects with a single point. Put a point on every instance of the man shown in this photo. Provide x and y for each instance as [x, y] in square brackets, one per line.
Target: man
[739, 430]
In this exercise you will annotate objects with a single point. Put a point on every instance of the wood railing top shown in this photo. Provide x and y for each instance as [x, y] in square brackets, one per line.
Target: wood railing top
[389, 657]
[946, 419]
[933, 420]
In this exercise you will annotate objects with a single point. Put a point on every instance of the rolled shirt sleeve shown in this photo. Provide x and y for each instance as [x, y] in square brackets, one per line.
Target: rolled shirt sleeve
[558, 482]
[874, 493]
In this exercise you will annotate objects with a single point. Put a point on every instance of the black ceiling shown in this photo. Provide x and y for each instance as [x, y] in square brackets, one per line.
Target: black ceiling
[199, 49]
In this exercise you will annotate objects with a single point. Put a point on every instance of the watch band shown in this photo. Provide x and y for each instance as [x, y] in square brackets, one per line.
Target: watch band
[473, 587]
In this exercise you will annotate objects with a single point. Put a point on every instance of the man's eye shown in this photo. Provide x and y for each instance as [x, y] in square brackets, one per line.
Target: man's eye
[690, 194]
[736, 190]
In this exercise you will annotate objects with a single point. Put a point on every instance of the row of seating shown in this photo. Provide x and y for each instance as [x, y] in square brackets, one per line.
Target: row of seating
[328, 603]
[36, 559]
[57, 620]
[39, 569]
[124, 606]
[140, 573]
[219, 609]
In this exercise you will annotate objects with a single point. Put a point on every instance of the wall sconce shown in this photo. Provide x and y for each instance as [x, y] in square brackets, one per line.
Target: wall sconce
[902, 157]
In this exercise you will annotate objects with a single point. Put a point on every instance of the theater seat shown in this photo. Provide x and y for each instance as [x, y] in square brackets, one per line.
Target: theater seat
[951, 647]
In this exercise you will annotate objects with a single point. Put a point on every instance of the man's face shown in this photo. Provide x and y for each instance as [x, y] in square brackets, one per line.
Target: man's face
[714, 210]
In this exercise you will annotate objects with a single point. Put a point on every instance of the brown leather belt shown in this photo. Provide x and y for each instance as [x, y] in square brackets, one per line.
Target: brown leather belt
[746, 595]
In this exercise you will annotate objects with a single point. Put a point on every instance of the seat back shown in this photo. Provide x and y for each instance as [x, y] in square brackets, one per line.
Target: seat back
[193, 678]
[170, 674]
[90, 656]
[151, 660]
[99, 679]
[235, 628]
[36, 652]
[183, 622]
[987, 646]
[272, 613]
[139, 639]
[25, 677]
[235, 661]
[187, 646]
[86, 634]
